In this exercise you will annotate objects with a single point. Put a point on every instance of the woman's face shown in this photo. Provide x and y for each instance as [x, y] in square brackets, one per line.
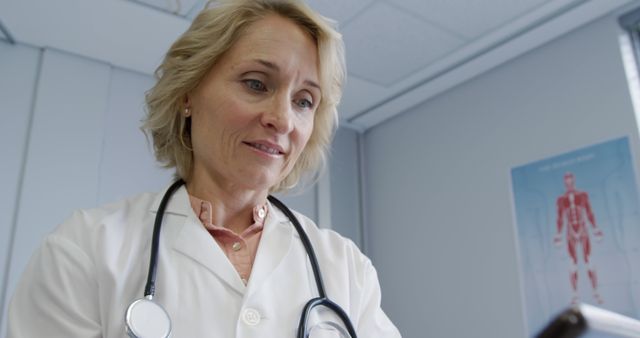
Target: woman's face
[253, 113]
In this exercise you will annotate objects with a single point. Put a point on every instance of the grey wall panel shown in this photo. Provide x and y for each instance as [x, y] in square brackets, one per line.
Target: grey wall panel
[18, 73]
[345, 188]
[439, 186]
[127, 165]
[63, 156]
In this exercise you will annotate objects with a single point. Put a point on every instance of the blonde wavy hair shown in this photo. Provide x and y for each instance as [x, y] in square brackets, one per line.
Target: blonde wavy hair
[190, 58]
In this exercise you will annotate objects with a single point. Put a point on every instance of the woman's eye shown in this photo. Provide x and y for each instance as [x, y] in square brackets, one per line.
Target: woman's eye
[304, 103]
[255, 85]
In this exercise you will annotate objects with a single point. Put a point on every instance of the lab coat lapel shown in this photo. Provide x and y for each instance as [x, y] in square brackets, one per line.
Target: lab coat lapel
[178, 203]
[275, 243]
[194, 241]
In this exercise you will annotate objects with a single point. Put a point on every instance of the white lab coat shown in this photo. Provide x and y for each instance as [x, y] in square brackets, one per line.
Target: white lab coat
[81, 280]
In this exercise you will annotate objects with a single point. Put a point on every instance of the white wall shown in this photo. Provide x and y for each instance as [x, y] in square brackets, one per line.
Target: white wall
[440, 226]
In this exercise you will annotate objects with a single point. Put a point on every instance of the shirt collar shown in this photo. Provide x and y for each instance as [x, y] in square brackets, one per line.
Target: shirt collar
[204, 211]
[180, 204]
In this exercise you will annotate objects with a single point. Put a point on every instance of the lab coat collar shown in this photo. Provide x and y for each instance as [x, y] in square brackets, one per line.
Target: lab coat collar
[178, 204]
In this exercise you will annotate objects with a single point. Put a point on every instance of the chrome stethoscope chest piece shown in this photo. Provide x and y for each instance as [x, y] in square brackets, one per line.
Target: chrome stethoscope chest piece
[147, 319]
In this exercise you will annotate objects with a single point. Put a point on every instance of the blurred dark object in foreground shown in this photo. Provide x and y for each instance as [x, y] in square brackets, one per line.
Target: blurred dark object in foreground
[577, 320]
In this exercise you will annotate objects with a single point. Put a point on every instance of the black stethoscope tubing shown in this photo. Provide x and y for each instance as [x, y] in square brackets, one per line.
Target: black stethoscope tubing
[322, 300]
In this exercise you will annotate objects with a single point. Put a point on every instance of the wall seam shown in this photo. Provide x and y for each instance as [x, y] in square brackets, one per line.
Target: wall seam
[323, 200]
[105, 112]
[364, 246]
[23, 167]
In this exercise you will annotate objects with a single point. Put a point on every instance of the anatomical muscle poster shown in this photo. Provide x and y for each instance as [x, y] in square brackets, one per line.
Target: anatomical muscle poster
[578, 230]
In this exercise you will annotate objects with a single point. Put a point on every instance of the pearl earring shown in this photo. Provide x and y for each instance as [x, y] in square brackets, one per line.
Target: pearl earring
[187, 112]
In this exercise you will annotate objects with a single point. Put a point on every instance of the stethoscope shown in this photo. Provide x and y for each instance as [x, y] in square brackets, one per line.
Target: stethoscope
[147, 319]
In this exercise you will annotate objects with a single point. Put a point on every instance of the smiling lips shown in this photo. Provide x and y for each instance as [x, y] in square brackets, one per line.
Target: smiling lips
[267, 148]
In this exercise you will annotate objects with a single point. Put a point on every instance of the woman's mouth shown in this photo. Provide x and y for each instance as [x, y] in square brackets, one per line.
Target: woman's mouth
[267, 148]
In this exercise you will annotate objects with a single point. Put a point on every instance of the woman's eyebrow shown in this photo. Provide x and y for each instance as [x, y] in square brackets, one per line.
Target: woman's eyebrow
[312, 84]
[274, 67]
[268, 64]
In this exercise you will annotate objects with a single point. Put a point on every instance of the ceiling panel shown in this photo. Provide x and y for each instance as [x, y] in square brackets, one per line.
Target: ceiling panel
[385, 44]
[339, 10]
[470, 18]
[197, 7]
[121, 33]
[354, 91]
[178, 7]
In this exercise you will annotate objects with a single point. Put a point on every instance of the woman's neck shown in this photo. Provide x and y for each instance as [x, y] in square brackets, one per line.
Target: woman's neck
[232, 206]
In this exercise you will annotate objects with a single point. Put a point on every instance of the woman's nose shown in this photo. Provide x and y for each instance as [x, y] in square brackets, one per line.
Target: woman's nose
[278, 116]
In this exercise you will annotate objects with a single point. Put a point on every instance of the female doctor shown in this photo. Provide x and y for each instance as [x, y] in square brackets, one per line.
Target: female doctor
[244, 106]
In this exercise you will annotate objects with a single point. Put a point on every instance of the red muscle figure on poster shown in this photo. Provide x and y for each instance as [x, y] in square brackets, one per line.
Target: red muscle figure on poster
[574, 209]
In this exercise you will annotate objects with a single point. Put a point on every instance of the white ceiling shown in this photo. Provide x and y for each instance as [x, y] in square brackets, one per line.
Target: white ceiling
[399, 52]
